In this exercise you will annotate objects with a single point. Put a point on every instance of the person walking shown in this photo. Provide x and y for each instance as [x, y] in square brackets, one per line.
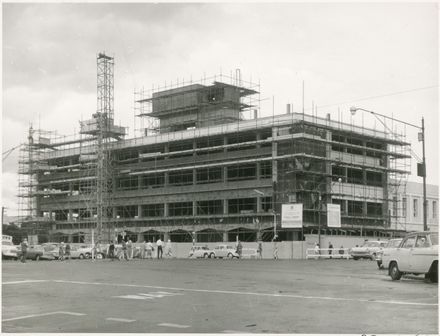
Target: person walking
[239, 249]
[111, 251]
[317, 250]
[61, 252]
[159, 249]
[260, 249]
[24, 246]
[124, 250]
[68, 251]
[275, 248]
[168, 249]
[143, 249]
[149, 249]
[330, 249]
[130, 249]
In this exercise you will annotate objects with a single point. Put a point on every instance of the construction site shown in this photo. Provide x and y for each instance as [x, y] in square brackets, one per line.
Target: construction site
[206, 167]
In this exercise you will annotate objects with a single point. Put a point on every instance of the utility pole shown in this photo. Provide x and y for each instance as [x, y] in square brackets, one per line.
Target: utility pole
[425, 202]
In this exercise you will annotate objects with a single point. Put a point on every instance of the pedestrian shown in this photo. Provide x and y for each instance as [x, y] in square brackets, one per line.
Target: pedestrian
[168, 249]
[149, 248]
[24, 246]
[275, 248]
[260, 249]
[96, 250]
[159, 248]
[130, 249]
[124, 250]
[61, 252]
[68, 251]
[330, 249]
[111, 250]
[143, 249]
[317, 250]
[239, 249]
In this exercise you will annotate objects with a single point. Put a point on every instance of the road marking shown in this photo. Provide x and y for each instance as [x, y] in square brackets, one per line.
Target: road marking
[22, 281]
[119, 319]
[147, 296]
[45, 314]
[233, 332]
[172, 325]
[214, 291]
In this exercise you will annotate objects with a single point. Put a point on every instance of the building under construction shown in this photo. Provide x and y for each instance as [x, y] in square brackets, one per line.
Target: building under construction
[206, 168]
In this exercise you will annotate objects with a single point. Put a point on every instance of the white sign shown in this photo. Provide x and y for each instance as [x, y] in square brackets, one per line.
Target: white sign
[292, 215]
[334, 215]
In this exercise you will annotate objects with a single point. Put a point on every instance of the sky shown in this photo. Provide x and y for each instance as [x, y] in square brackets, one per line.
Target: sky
[381, 57]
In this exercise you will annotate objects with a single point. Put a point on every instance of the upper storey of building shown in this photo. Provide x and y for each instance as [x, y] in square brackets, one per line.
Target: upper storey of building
[197, 105]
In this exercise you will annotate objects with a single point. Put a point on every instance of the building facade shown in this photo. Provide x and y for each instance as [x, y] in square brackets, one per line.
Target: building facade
[207, 174]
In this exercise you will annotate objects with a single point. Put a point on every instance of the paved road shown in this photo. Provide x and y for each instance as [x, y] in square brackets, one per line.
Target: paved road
[215, 296]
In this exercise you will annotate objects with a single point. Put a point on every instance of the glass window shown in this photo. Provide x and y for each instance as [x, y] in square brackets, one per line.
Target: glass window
[409, 242]
[404, 207]
[415, 207]
[422, 241]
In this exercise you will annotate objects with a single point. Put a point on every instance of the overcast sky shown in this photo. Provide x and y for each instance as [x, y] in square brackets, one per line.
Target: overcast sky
[345, 53]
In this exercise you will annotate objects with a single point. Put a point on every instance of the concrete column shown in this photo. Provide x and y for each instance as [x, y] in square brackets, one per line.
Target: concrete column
[165, 210]
[166, 181]
[69, 238]
[259, 204]
[225, 206]
[258, 170]
[194, 208]
[70, 217]
[140, 237]
[139, 182]
[225, 174]
[225, 236]
[166, 236]
[140, 211]
[194, 176]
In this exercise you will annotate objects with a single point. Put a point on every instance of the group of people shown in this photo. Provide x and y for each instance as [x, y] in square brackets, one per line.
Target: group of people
[64, 251]
[127, 251]
[331, 249]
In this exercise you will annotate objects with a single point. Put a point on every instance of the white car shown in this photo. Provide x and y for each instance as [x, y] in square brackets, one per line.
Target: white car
[383, 256]
[9, 250]
[416, 254]
[368, 250]
[225, 251]
[201, 252]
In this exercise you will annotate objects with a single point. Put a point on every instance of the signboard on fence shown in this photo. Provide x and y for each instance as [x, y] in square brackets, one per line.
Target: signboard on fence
[334, 215]
[292, 215]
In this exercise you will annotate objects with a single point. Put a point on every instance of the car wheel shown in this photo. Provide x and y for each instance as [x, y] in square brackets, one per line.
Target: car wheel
[99, 256]
[212, 256]
[88, 255]
[395, 274]
[230, 256]
[81, 256]
[356, 258]
[205, 255]
[37, 257]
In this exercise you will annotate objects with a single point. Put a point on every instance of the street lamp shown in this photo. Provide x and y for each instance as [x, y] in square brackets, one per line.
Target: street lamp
[421, 137]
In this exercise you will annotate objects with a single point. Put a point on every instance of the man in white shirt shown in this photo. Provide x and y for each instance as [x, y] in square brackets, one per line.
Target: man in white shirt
[159, 244]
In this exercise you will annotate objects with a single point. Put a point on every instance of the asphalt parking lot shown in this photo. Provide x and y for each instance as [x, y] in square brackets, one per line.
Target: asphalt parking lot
[214, 296]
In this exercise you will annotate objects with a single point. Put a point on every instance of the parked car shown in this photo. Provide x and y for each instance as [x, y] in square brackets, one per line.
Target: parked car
[201, 252]
[249, 253]
[368, 250]
[382, 257]
[225, 251]
[9, 250]
[416, 254]
[51, 248]
[34, 252]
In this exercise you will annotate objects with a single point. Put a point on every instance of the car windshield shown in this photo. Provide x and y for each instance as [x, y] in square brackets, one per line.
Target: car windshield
[394, 243]
[372, 244]
[434, 239]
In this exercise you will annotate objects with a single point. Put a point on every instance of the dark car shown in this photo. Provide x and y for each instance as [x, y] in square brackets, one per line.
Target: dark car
[35, 252]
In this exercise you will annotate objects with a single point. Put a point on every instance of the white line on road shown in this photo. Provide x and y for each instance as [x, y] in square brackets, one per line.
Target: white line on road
[172, 325]
[233, 332]
[119, 319]
[45, 314]
[22, 281]
[254, 294]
